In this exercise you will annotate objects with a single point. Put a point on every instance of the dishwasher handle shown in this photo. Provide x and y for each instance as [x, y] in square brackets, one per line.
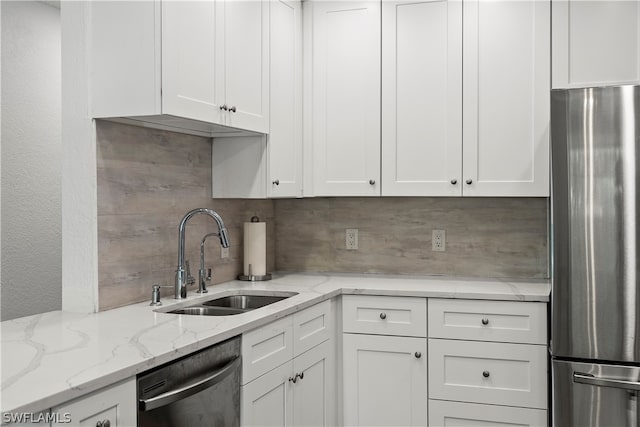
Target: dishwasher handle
[189, 389]
[589, 379]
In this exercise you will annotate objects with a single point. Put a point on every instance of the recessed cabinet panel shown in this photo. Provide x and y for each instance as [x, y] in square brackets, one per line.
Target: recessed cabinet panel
[595, 43]
[346, 98]
[421, 98]
[314, 390]
[267, 401]
[246, 61]
[369, 314]
[266, 347]
[506, 98]
[192, 58]
[486, 372]
[444, 413]
[312, 326]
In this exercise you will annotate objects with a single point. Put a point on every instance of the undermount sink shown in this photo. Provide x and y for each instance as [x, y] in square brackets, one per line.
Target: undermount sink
[231, 304]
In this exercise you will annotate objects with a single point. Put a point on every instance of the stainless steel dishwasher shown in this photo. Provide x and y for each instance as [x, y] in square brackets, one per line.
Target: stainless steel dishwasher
[202, 389]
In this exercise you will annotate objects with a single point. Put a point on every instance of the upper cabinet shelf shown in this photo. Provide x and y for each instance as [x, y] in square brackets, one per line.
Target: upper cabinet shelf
[192, 66]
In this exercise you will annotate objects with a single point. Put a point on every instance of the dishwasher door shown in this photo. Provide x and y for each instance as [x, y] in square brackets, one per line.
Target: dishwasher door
[202, 389]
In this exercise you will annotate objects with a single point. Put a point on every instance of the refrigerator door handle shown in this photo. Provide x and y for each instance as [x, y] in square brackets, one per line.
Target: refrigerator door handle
[605, 382]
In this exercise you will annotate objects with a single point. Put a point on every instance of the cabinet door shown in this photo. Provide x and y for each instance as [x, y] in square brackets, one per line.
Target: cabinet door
[385, 383]
[314, 393]
[285, 133]
[506, 98]
[117, 404]
[421, 98]
[246, 63]
[444, 413]
[595, 43]
[268, 400]
[346, 98]
[192, 54]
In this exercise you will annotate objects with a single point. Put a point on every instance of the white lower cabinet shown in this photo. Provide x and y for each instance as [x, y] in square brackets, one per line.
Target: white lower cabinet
[385, 380]
[444, 413]
[115, 404]
[268, 400]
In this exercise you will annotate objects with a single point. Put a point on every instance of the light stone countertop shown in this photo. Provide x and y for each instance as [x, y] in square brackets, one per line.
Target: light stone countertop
[51, 358]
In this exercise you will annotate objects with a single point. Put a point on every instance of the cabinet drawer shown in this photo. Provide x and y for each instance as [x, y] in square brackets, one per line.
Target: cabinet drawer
[312, 327]
[404, 316]
[485, 372]
[501, 321]
[266, 348]
[444, 413]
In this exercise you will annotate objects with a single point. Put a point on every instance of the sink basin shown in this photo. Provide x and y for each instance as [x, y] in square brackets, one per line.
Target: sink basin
[230, 305]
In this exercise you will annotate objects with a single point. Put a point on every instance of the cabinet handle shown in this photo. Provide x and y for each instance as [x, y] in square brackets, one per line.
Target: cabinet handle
[276, 182]
[486, 374]
[372, 182]
[103, 423]
[224, 107]
[293, 379]
[454, 181]
[383, 316]
[233, 109]
[469, 181]
[418, 355]
[485, 321]
[301, 375]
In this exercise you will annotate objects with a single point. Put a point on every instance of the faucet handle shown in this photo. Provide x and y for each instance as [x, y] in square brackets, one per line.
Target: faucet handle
[208, 275]
[190, 279]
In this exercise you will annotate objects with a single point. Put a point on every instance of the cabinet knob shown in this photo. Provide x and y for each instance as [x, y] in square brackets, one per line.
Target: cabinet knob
[485, 321]
[469, 181]
[454, 181]
[276, 182]
[383, 316]
[233, 109]
[224, 107]
[372, 181]
[418, 355]
[486, 374]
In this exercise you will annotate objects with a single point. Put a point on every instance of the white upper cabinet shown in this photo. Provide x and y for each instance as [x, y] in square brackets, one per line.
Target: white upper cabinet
[421, 98]
[506, 83]
[595, 43]
[285, 136]
[182, 65]
[345, 135]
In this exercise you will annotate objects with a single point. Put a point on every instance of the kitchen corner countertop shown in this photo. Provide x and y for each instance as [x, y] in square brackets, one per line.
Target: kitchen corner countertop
[51, 358]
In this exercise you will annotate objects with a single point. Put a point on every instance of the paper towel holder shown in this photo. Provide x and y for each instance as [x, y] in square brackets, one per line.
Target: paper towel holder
[252, 278]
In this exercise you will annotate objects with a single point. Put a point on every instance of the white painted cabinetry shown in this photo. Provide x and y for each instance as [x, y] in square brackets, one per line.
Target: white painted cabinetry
[289, 371]
[506, 105]
[487, 363]
[595, 43]
[115, 404]
[345, 98]
[269, 166]
[197, 64]
[421, 98]
[384, 361]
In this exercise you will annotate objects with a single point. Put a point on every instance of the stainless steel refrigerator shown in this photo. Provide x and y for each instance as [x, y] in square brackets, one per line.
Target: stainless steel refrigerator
[595, 341]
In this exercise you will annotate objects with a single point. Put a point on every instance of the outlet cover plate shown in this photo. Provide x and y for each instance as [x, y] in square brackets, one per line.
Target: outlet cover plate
[351, 239]
[438, 240]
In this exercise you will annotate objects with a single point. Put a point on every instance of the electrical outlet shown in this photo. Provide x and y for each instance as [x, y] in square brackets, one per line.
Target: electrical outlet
[351, 236]
[438, 240]
[224, 252]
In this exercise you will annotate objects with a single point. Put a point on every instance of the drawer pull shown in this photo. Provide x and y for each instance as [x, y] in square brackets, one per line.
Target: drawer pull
[418, 355]
[486, 374]
[383, 316]
[485, 321]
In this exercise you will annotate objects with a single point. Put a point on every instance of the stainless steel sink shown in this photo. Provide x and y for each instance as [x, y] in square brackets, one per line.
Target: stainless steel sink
[230, 305]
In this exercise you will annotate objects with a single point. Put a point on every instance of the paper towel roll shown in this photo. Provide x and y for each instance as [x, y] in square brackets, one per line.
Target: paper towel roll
[255, 248]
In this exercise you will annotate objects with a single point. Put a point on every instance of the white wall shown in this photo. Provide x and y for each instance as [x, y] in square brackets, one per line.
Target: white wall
[30, 159]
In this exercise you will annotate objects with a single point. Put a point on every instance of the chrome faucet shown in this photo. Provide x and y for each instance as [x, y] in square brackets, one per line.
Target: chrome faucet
[181, 279]
[202, 276]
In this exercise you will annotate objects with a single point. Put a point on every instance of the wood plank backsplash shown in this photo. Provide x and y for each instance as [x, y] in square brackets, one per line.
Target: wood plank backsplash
[147, 180]
[485, 237]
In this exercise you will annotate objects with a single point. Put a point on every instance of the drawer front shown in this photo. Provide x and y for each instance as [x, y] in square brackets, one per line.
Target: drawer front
[266, 348]
[312, 326]
[500, 321]
[403, 316]
[444, 413]
[486, 372]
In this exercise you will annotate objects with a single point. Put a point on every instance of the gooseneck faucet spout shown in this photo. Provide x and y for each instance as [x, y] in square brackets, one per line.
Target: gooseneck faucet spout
[181, 280]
